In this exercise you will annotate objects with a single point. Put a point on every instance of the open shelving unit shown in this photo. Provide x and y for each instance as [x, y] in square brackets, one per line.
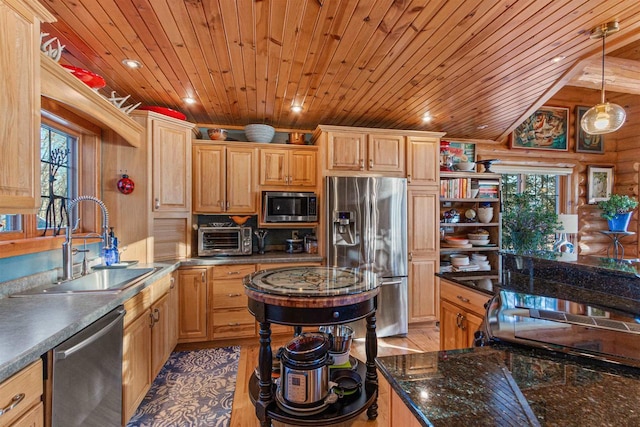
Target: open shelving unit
[453, 184]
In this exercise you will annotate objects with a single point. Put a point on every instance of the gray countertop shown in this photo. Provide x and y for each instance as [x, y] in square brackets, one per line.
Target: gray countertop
[30, 326]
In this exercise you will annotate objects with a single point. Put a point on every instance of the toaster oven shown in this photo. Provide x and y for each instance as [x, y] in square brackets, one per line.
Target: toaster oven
[224, 240]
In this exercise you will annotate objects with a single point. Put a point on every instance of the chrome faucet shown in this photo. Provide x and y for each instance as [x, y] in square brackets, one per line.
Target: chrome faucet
[67, 246]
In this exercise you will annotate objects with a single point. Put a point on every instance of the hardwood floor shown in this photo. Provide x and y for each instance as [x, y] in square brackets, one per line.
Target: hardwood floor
[419, 339]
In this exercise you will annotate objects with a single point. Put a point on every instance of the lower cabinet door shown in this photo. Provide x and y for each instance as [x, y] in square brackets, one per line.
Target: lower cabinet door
[34, 417]
[136, 364]
[160, 334]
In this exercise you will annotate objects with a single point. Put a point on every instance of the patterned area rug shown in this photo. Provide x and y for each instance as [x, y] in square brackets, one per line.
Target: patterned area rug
[194, 388]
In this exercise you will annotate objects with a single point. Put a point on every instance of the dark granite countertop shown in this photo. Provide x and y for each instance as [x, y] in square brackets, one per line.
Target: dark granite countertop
[512, 385]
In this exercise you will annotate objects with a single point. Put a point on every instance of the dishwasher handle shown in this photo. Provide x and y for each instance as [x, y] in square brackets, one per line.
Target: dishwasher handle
[63, 354]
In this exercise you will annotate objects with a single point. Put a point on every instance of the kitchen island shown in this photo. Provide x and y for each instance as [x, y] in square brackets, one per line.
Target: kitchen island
[562, 348]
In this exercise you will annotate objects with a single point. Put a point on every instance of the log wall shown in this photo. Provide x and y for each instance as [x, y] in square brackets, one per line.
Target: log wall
[622, 151]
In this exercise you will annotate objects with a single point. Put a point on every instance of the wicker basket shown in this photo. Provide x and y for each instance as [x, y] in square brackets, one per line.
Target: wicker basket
[259, 133]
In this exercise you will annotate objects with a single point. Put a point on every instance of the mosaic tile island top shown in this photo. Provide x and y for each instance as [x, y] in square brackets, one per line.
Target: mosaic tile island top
[312, 281]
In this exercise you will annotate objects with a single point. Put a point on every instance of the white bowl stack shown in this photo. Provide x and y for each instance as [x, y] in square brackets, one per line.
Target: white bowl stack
[481, 261]
[259, 133]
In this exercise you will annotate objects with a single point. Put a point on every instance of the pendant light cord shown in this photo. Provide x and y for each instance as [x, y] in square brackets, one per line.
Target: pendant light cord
[604, 36]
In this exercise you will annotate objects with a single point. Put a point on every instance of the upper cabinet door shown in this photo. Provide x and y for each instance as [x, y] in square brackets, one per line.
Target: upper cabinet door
[273, 166]
[209, 179]
[386, 154]
[423, 161]
[241, 180]
[346, 151]
[302, 168]
[20, 105]
[171, 171]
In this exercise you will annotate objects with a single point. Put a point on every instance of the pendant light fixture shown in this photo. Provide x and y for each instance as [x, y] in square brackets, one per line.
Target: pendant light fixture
[603, 117]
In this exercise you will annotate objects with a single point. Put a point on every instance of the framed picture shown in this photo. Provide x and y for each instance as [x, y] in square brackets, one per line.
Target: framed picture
[546, 129]
[599, 183]
[462, 152]
[587, 143]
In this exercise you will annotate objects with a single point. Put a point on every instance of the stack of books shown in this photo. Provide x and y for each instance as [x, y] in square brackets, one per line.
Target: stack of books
[455, 188]
[488, 188]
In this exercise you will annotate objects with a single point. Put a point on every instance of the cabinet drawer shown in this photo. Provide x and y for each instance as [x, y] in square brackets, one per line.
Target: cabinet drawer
[233, 271]
[463, 297]
[27, 381]
[229, 294]
[234, 323]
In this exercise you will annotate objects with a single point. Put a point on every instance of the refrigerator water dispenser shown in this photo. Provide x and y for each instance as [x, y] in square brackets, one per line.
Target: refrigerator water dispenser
[344, 226]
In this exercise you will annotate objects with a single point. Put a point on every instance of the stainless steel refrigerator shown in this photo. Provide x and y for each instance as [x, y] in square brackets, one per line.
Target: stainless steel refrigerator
[367, 228]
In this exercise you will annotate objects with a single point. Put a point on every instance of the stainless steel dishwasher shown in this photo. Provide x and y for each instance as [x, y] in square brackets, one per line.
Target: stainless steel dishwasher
[87, 375]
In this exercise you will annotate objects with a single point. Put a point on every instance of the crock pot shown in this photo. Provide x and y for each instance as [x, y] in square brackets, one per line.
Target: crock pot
[304, 370]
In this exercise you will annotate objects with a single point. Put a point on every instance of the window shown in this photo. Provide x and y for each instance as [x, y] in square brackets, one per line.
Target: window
[547, 185]
[58, 183]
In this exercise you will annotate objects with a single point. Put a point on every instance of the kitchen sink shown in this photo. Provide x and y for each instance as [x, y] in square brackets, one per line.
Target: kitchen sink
[100, 281]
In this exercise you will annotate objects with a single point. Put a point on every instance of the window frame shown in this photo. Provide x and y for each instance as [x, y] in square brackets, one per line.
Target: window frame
[30, 240]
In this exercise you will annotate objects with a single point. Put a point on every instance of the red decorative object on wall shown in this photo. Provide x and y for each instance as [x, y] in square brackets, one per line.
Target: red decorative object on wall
[125, 184]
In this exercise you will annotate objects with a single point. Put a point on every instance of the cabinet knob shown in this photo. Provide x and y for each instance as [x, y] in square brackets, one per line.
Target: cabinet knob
[233, 295]
[172, 283]
[227, 205]
[152, 320]
[202, 277]
[156, 315]
[409, 177]
[361, 164]
[233, 272]
[233, 324]
[370, 163]
[157, 203]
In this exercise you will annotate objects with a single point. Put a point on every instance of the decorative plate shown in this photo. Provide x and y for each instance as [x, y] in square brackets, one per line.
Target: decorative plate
[164, 110]
[93, 80]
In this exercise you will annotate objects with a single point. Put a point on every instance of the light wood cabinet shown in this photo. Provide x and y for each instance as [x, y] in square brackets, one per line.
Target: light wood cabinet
[288, 167]
[423, 160]
[29, 411]
[228, 303]
[423, 290]
[146, 342]
[359, 151]
[423, 254]
[192, 291]
[400, 415]
[168, 145]
[160, 334]
[171, 147]
[174, 309]
[461, 314]
[136, 365]
[20, 105]
[224, 179]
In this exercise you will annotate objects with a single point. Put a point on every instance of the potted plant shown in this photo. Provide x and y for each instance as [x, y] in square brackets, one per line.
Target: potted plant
[617, 211]
[527, 227]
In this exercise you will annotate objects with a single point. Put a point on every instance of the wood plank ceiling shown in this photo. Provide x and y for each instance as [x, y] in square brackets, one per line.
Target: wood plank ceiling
[478, 67]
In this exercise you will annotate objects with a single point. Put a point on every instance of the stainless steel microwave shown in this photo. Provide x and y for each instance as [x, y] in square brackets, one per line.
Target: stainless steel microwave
[289, 207]
[224, 241]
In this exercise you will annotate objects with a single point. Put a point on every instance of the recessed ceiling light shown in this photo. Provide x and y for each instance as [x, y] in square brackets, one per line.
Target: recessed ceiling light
[557, 58]
[132, 63]
[296, 108]
[480, 127]
[189, 100]
[426, 117]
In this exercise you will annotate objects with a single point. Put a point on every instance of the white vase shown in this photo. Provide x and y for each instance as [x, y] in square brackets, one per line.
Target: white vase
[485, 215]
